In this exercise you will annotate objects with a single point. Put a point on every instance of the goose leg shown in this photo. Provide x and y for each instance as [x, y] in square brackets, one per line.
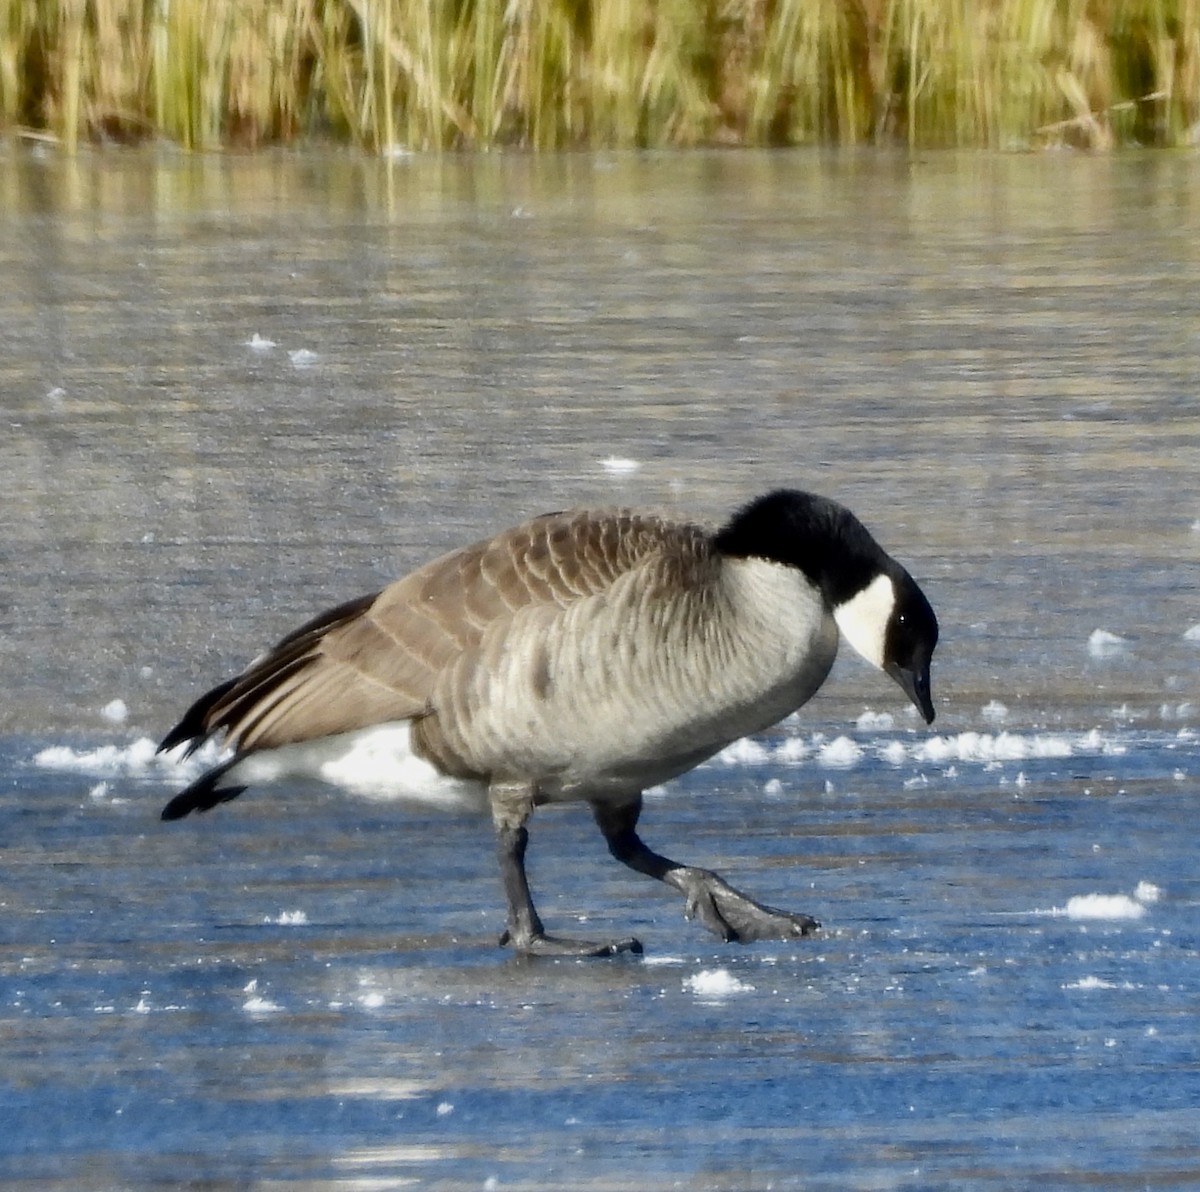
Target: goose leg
[726, 912]
[525, 931]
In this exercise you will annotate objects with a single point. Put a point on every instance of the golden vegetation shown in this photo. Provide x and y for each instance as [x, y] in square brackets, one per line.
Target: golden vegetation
[551, 74]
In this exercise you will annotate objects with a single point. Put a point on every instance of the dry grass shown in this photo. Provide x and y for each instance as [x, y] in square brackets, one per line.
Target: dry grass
[547, 74]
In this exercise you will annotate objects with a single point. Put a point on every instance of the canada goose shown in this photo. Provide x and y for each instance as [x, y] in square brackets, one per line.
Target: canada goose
[584, 655]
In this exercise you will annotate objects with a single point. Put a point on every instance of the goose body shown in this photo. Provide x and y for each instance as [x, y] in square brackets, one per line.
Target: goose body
[583, 655]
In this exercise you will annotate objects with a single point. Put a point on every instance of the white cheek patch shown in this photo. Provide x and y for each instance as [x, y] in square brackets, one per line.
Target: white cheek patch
[863, 619]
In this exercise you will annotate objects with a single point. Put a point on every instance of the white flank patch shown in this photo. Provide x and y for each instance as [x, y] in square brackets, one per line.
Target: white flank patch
[863, 619]
[714, 984]
[374, 763]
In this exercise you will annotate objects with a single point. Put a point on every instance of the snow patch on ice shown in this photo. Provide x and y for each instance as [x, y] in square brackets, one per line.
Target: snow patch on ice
[302, 358]
[875, 722]
[260, 343]
[1182, 711]
[112, 760]
[1193, 634]
[984, 747]
[714, 984]
[840, 753]
[115, 711]
[256, 1003]
[1091, 983]
[745, 752]
[1103, 642]
[792, 750]
[1147, 893]
[1104, 907]
[617, 465]
[1109, 907]
[290, 919]
[140, 757]
[994, 710]
[1114, 906]
[261, 1005]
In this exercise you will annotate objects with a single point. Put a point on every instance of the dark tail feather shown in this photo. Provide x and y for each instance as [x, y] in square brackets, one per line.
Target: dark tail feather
[192, 727]
[204, 794]
[208, 715]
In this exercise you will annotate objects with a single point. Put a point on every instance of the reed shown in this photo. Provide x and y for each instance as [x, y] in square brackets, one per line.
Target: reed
[549, 74]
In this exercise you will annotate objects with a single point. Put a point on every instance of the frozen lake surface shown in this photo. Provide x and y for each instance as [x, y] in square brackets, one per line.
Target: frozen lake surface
[235, 391]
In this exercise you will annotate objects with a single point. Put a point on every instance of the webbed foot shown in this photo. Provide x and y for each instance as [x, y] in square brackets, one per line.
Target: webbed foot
[540, 944]
[731, 915]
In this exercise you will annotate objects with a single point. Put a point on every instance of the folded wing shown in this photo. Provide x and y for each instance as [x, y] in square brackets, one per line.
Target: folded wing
[378, 659]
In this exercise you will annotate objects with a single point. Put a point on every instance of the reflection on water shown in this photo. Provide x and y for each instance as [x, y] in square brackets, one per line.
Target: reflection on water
[235, 390]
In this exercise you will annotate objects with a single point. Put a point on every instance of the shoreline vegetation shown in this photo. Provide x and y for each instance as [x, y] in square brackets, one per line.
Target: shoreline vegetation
[395, 75]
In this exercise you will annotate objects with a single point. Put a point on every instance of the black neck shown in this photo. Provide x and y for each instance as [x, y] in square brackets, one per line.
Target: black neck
[819, 537]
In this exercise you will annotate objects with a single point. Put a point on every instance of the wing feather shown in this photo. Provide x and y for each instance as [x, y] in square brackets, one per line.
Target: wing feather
[380, 658]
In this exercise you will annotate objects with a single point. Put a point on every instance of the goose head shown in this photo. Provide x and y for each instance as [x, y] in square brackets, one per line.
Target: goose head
[877, 605]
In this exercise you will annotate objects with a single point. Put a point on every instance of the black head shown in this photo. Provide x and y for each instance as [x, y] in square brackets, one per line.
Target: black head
[878, 607]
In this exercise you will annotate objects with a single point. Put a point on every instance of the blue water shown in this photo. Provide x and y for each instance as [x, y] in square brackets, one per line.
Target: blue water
[994, 360]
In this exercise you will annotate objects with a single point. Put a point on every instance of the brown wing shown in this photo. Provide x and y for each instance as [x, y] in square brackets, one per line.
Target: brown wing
[378, 659]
